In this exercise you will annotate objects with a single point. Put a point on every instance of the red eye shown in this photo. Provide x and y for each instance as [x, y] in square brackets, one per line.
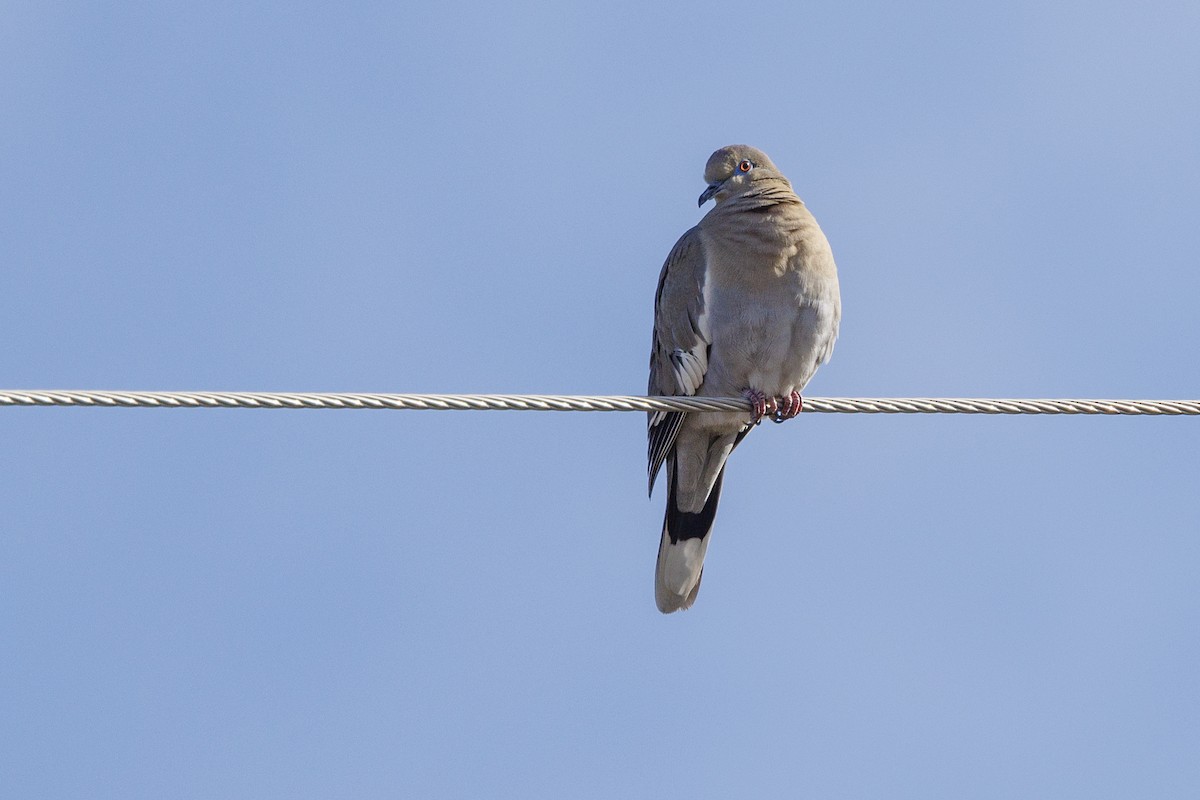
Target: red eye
[745, 166]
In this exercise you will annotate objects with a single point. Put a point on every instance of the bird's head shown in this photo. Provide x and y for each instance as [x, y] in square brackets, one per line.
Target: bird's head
[734, 169]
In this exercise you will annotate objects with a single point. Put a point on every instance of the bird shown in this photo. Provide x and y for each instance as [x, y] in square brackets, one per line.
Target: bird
[748, 305]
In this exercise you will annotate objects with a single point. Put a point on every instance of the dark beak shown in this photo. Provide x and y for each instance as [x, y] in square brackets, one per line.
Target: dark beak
[708, 193]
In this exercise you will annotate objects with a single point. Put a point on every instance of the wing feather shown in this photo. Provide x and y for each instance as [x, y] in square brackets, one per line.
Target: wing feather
[680, 346]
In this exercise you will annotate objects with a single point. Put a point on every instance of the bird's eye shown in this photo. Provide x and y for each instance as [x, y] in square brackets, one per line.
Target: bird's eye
[745, 166]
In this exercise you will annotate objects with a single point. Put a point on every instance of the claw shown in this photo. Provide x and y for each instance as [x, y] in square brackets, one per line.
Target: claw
[788, 407]
[760, 405]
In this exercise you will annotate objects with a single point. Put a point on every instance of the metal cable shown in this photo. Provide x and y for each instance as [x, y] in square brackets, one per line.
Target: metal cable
[513, 402]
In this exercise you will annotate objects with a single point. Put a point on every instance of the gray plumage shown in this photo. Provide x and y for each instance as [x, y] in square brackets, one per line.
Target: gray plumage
[747, 304]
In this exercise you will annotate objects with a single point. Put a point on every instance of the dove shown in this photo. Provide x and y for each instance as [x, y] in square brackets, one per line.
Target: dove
[747, 305]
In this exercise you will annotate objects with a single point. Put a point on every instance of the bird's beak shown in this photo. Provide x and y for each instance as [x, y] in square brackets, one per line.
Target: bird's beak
[708, 193]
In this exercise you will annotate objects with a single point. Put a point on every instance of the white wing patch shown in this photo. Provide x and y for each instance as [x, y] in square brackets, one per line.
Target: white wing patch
[689, 367]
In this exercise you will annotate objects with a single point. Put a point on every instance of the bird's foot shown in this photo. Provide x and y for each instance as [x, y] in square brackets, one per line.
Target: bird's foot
[788, 407]
[761, 405]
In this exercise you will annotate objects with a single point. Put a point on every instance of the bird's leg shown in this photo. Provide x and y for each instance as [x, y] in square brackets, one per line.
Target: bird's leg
[788, 407]
[761, 405]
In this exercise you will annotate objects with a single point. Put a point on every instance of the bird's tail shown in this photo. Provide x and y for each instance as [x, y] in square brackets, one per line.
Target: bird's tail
[681, 551]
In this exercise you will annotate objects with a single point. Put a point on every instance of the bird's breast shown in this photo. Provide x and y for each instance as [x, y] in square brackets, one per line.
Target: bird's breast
[770, 321]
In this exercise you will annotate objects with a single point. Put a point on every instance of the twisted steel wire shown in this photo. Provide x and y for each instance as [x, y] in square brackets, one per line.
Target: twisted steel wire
[516, 402]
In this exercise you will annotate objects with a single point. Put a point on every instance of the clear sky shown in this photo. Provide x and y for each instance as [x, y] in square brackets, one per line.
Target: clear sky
[470, 197]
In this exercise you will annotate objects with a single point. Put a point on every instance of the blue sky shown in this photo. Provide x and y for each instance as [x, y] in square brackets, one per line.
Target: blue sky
[478, 198]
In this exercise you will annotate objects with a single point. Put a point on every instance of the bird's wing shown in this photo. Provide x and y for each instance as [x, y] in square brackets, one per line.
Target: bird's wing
[679, 352]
